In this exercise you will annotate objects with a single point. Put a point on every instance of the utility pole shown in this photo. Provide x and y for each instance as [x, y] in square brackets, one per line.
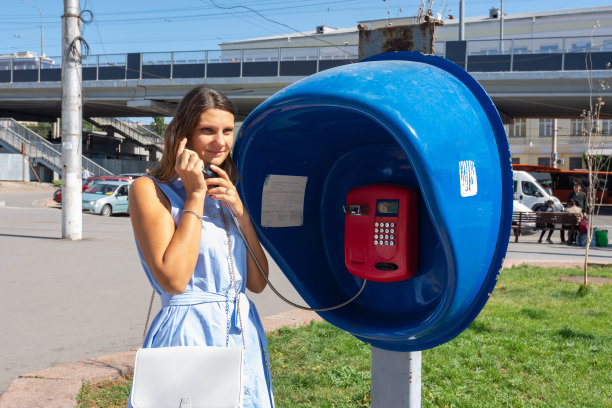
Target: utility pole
[462, 20]
[72, 116]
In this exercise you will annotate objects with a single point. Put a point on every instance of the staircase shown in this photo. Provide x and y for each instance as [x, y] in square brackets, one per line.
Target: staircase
[14, 135]
[132, 131]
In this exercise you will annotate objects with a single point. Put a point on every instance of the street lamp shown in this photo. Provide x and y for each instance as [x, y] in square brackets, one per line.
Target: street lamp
[42, 31]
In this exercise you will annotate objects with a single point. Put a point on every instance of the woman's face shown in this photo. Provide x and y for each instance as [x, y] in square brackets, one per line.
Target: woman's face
[213, 136]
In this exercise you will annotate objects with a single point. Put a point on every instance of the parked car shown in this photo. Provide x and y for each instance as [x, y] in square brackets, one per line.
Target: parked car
[106, 198]
[99, 179]
[57, 195]
[132, 176]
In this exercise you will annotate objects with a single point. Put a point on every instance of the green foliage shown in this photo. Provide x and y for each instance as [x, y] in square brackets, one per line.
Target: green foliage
[600, 162]
[319, 366]
[159, 125]
[537, 343]
[108, 394]
[86, 126]
[56, 183]
[43, 129]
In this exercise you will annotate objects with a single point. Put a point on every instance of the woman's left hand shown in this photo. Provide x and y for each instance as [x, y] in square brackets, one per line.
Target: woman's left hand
[224, 190]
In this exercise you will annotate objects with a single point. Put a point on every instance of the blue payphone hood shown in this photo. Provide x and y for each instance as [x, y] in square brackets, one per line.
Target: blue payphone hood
[397, 118]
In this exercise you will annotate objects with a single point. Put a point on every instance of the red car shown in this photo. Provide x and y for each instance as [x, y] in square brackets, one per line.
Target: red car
[57, 195]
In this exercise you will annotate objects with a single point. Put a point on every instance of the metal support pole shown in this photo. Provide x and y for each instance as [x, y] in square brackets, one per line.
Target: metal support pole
[462, 20]
[554, 144]
[42, 29]
[72, 116]
[501, 20]
[396, 379]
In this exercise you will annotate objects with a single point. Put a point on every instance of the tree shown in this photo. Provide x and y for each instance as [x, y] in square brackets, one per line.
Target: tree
[159, 125]
[594, 142]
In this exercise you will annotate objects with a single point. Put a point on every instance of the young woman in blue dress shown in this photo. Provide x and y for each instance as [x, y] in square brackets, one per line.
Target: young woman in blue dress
[181, 224]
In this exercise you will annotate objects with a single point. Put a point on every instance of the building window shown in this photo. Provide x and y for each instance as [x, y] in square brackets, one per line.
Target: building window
[516, 160]
[577, 127]
[544, 161]
[546, 127]
[575, 163]
[518, 128]
[606, 127]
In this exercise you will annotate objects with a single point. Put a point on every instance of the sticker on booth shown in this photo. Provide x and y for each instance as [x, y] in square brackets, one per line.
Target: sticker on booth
[282, 201]
[467, 178]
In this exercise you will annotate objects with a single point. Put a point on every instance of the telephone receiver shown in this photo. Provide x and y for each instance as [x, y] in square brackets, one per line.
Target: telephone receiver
[208, 173]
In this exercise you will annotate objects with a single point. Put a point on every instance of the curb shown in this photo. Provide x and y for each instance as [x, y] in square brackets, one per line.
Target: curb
[58, 387]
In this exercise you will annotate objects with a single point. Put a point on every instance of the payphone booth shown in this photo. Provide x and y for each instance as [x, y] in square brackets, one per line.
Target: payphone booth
[395, 170]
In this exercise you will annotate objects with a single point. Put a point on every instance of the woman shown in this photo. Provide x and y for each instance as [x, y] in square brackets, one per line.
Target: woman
[181, 225]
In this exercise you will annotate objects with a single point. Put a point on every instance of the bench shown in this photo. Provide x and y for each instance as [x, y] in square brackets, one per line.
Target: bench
[540, 220]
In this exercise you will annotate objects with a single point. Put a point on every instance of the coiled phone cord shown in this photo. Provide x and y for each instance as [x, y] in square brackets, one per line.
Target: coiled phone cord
[313, 309]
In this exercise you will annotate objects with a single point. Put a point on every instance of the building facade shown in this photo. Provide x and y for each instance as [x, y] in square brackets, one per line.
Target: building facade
[550, 32]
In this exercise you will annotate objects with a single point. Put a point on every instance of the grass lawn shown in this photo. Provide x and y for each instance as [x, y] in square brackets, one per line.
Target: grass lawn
[537, 343]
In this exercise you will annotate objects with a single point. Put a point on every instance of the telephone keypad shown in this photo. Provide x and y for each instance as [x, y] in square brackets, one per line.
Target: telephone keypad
[384, 234]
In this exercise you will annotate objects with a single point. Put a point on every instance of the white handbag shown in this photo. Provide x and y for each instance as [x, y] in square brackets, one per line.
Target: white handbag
[187, 377]
[190, 376]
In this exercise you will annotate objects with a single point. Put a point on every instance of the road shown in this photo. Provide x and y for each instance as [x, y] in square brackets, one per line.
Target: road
[64, 300]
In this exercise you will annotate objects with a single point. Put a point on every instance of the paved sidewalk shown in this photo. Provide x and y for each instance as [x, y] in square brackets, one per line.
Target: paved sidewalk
[58, 387]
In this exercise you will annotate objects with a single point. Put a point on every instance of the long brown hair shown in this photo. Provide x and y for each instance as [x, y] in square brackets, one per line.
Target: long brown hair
[185, 119]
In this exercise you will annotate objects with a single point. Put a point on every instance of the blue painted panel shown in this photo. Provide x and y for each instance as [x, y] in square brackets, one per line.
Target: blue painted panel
[156, 71]
[51, 74]
[188, 71]
[488, 63]
[400, 118]
[537, 62]
[258, 69]
[25, 75]
[89, 73]
[109, 73]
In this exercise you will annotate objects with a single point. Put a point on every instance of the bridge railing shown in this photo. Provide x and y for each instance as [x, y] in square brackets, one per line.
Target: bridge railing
[518, 54]
[530, 54]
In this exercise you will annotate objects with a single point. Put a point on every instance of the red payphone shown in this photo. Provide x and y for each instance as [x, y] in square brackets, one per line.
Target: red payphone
[380, 232]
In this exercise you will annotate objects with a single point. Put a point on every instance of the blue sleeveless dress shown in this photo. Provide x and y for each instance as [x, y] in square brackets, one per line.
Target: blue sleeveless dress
[202, 315]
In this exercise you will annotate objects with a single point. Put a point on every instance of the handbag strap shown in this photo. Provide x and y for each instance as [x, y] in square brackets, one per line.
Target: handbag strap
[233, 276]
[144, 333]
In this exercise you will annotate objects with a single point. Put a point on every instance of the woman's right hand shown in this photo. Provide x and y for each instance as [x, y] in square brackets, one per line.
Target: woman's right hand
[189, 167]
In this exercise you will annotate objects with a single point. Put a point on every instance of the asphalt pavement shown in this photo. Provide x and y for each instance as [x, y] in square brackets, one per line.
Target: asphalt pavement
[64, 301]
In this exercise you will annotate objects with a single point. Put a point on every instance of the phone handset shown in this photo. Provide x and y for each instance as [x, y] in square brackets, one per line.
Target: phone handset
[208, 173]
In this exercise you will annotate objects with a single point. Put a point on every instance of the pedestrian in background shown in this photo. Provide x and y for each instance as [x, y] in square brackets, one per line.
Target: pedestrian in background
[85, 174]
[579, 197]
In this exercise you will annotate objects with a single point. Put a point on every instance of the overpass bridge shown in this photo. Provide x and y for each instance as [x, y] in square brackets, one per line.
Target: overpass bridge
[531, 77]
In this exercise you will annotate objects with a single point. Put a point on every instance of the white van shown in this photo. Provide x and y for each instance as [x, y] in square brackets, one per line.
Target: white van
[529, 192]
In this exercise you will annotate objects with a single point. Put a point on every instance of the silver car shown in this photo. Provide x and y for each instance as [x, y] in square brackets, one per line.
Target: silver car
[106, 198]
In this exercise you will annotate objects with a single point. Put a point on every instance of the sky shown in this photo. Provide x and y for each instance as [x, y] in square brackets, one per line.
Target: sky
[124, 26]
